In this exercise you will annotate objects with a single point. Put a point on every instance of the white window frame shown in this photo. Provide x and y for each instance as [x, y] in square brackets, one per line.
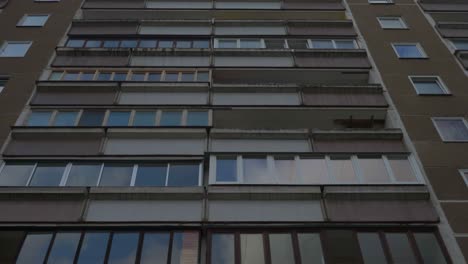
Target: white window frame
[434, 119]
[23, 19]
[238, 42]
[311, 46]
[400, 19]
[413, 78]
[464, 174]
[416, 44]
[8, 42]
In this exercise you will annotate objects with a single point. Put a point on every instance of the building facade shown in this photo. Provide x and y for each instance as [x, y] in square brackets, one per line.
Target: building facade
[233, 131]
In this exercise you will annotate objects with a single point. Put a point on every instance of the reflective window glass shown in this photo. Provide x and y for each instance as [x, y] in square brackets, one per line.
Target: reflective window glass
[256, 171]
[201, 44]
[183, 44]
[285, 170]
[203, 76]
[65, 118]
[252, 249]
[429, 248]
[33, 20]
[138, 77]
[345, 44]
[118, 118]
[343, 171]
[197, 118]
[182, 175]
[226, 170]
[227, 43]
[154, 77]
[111, 44]
[93, 44]
[298, 44]
[171, 118]
[150, 44]
[34, 248]
[151, 175]
[428, 85]
[93, 248]
[373, 170]
[155, 248]
[460, 44]
[400, 248]
[371, 248]
[275, 44]
[171, 77]
[71, 76]
[47, 175]
[408, 51]
[91, 118]
[120, 76]
[144, 118]
[15, 49]
[75, 43]
[392, 22]
[124, 248]
[281, 248]
[185, 248]
[104, 76]
[15, 174]
[402, 170]
[84, 175]
[39, 118]
[187, 77]
[116, 175]
[87, 76]
[250, 44]
[313, 170]
[165, 44]
[222, 248]
[452, 129]
[128, 43]
[64, 248]
[322, 44]
[55, 76]
[310, 248]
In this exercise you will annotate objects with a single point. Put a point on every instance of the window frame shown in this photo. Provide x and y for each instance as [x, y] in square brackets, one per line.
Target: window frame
[438, 80]
[464, 174]
[434, 122]
[5, 44]
[415, 44]
[381, 2]
[25, 17]
[399, 18]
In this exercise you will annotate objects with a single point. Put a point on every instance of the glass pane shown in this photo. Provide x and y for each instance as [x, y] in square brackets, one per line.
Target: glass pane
[297, 43]
[343, 171]
[314, 171]
[183, 44]
[55, 76]
[322, 44]
[71, 76]
[144, 119]
[155, 248]
[138, 77]
[400, 248]
[39, 118]
[408, 51]
[428, 87]
[148, 44]
[93, 43]
[75, 43]
[203, 76]
[171, 77]
[345, 44]
[452, 129]
[116, 175]
[286, 170]
[256, 171]
[197, 118]
[274, 43]
[222, 248]
[371, 248]
[120, 76]
[93, 248]
[64, 248]
[124, 248]
[183, 175]
[252, 249]
[163, 44]
[84, 175]
[185, 248]
[65, 118]
[151, 175]
[34, 20]
[226, 170]
[402, 170]
[171, 118]
[15, 174]
[310, 248]
[227, 43]
[91, 118]
[15, 50]
[187, 77]
[281, 248]
[201, 44]
[34, 248]
[118, 118]
[391, 23]
[154, 77]
[87, 76]
[429, 248]
[47, 175]
[250, 44]
[461, 44]
[111, 44]
[129, 44]
[104, 76]
[373, 170]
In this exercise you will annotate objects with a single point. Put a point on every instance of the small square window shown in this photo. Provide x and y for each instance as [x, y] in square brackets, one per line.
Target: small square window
[409, 51]
[15, 48]
[75, 43]
[428, 85]
[392, 23]
[460, 44]
[451, 128]
[33, 20]
[464, 174]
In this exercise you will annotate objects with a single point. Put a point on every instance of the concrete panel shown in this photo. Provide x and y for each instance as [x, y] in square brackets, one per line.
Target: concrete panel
[73, 98]
[332, 60]
[247, 29]
[170, 61]
[154, 146]
[256, 99]
[344, 99]
[163, 98]
[41, 211]
[125, 28]
[101, 61]
[114, 4]
[456, 213]
[357, 145]
[53, 146]
[136, 211]
[322, 30]
[175, 30]
[260, 145]
[252, 61]
[263, 211]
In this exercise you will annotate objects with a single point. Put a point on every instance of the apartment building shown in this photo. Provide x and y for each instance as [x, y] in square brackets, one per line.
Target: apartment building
[232, 131]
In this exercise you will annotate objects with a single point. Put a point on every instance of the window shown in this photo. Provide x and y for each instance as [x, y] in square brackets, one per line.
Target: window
[428, 85]
[144, 118]
[460, 44]
[123, 248]
[120, 76]
[222, 248]
[251, 44]
[104, 76]
[464, 174]
[203, 76]
[34, 248]
[201, 44]
[84, 175]
[55, 76]
[332, 44]
[322, 44]
[181, 175]
[255, 170]
[392, 23]
[171, 118]
[70, 76]
[409, 51]
[91, 118]
[155, 248]
[187, 76]
[16, 174]
[118, 118]
[373, 170]
[15, 48]
[47, 175]
[93, 248]
[39, 118]
[400, 248]
[298, 43]
[429, 248]
[150, 44]
[371, 248]
[154, 77]
[281, 248]
[33, 20]
[75, 43]
[252, 250]
[227, 43]
[451, 128]
[310, 247]
[111, 44]
[116, 175]
[171, 77]
[93, 44]
[64, 247]
[343, 170]
[138, 77]
[65, 118]
[226, 170]
[129, 44]
[275, 43]
[87, 76]
[197, 118]
[151, 175]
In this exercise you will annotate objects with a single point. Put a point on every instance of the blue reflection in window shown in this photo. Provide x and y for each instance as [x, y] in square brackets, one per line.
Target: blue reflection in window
[226, 170]
[124, 248]
[93, 248]
[118, 118]
[144, 119]
[151, 175]
[64, 248]
[183, 175]
[34, 248]
[197, 118]
[65, 118]
[155, 248]
[171, 118]
[39, 118]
